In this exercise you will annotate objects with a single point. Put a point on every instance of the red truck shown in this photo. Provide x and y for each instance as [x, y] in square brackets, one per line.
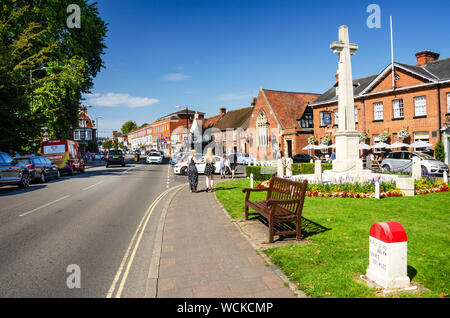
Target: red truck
[65, 153]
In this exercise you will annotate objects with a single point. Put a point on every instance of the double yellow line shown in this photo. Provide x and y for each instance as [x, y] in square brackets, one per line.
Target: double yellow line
[132, 247]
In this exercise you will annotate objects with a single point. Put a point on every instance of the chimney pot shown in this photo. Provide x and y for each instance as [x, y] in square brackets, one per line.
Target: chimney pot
[425, 57]
[223, 111]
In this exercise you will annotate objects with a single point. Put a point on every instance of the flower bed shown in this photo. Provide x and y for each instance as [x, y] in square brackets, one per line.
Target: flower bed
[367, 190]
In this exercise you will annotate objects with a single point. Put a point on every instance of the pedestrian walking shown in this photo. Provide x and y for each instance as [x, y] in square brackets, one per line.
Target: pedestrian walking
[233, 164]
[192, 171]
[223, 169]
[209, 170]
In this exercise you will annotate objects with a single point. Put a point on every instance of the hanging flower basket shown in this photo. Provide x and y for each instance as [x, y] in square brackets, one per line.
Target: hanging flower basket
[402, 134]
[325, 140]
[363, 137]
[311, 140]
[383, 137]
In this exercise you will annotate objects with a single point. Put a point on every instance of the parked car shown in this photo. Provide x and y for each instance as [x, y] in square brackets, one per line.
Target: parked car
[12, 172]
[182, 167]
[178, 157]
[65, 154]
[99, 156]
[115, 157]
[302, 158]
[250, 160]
[401, 161]
[41, 168]
[154, 157]
[242, 158]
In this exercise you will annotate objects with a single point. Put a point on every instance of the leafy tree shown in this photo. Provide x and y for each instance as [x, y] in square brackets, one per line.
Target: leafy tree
[33, 35]
[107, 144]
[128, 126]
[115, 144]
[439, 151]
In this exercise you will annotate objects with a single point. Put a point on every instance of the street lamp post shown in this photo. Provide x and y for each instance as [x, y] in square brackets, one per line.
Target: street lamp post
[96, 124]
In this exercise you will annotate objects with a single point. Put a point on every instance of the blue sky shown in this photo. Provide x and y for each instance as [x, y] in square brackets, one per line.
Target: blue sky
[212, 54]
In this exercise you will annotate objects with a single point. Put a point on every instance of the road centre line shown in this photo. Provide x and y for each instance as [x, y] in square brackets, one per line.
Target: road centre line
[139, 232]
[91, 186]
[45, 205]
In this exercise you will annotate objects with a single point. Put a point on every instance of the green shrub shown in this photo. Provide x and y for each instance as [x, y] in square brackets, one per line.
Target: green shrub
[264, 173]
[439, 152]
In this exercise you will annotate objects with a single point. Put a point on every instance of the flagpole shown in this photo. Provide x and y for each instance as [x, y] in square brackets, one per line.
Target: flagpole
[392, 56]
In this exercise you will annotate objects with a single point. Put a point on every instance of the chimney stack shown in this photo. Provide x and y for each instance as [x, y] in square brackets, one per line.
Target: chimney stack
[223, 111]
[254, 99]
[425, 57]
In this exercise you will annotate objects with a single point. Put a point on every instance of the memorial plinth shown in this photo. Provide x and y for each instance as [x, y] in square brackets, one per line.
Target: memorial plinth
[388, 256]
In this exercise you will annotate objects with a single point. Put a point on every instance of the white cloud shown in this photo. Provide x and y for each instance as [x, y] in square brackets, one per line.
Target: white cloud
[118, 99]
[175, 77]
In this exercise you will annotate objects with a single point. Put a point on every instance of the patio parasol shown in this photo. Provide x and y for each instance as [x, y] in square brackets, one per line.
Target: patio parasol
[420, 144]
[380, 145]
[398, 144]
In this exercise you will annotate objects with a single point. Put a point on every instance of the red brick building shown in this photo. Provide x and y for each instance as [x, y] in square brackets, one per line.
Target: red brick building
[413, 98]
[280, 124]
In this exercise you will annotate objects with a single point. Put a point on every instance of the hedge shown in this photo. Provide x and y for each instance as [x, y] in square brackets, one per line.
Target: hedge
[264, 173]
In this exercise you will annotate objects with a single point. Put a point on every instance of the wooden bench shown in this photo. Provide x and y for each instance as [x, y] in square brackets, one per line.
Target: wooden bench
[284, 203]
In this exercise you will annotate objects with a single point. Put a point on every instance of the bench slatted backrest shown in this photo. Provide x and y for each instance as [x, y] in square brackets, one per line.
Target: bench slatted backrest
[283, 189]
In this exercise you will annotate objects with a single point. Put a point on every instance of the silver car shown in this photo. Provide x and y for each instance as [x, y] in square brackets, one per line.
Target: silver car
[401, 161]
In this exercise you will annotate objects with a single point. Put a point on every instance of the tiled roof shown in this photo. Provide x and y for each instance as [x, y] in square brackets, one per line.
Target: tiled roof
[211, 121]
[238, 118]
[439, 68]
[289, 106]
[359, 85]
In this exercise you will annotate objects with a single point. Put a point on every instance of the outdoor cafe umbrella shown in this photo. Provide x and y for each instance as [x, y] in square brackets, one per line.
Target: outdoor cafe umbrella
[420, 144]
[397, 144]
[380, 145]
[332, 146]
[309, 147]
[364, 146]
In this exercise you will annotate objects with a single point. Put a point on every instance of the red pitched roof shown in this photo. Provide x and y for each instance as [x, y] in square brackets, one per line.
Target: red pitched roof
[289, 106]
[211, 121]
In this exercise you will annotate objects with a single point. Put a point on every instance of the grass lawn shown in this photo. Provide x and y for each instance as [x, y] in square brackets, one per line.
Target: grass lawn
[340, 253]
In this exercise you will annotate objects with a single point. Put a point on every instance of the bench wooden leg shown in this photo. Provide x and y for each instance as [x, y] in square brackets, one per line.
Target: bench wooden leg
[246, 212]
[271, 228]
[299, 230]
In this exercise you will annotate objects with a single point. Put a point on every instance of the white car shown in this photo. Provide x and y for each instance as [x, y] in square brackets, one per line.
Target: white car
[182, 167]
[154, 157]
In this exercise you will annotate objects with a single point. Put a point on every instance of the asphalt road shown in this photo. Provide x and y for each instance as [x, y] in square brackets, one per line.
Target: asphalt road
[87, 224]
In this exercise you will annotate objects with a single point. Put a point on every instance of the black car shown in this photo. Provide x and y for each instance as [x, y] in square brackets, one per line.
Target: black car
[115, 157]
[12, 172]
[40, 168]
[302, 158]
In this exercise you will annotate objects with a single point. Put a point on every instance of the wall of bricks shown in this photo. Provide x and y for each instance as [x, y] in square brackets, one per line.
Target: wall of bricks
[430, 123]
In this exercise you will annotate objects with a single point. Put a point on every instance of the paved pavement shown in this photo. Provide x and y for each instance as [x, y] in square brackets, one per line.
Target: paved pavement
[204, 255]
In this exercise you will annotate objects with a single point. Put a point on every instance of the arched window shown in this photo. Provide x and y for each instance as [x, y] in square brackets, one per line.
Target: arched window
[262, 127]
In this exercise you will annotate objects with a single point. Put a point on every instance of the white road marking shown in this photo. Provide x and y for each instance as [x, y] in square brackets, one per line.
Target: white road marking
[90, 187]
[45, 205]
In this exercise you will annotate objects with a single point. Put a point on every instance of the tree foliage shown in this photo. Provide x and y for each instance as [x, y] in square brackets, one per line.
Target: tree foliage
[128, 126]
[33, 36]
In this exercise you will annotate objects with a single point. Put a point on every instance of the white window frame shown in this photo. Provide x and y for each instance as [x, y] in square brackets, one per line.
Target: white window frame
[378, 111]
[336, 116]
[448, 102]
[356, 114]
[420, 106]
[398, 110]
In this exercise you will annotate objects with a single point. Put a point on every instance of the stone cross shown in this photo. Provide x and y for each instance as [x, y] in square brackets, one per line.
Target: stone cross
[346, 136]
[345, 49]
